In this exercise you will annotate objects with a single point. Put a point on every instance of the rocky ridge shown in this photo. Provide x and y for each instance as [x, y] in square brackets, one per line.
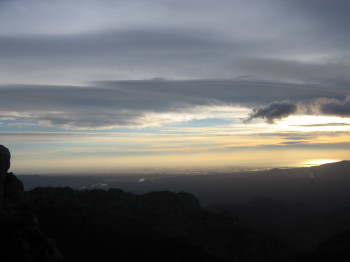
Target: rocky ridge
[21, 238]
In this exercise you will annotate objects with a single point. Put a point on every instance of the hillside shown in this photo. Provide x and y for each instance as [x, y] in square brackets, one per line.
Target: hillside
[56, 224]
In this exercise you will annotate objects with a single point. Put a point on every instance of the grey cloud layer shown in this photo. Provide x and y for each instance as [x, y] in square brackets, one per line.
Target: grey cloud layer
[266, 39]
[162, 51]
[129, 103]
[332, 71]
[134, 53]
[64, 44]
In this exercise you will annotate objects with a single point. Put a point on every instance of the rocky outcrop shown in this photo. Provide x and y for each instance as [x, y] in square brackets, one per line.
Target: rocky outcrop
[11, 188]
[5, 157]
[21, 239]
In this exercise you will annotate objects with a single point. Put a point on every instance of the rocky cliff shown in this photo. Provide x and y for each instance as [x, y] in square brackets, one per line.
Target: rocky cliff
[21, 238]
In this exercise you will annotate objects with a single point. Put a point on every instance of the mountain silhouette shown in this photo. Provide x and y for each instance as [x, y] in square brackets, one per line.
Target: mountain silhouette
[336, 170]
[266, 222]
[161, 226]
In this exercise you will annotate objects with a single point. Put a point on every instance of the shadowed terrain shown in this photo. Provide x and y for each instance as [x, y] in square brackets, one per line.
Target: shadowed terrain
[110, 225]
[298, 214]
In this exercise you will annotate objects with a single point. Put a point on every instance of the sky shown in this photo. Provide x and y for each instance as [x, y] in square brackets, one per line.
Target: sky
[107, 84]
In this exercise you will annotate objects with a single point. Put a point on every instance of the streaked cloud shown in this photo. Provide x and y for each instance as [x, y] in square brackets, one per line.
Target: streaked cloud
[322, 125]
[115, 104]
[65, 42]
[142, 82]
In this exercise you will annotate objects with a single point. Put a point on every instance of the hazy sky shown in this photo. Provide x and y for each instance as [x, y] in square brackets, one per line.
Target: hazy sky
[102, 84]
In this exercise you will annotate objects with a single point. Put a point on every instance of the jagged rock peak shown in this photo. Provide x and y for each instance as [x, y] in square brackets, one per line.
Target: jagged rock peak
[5, 157]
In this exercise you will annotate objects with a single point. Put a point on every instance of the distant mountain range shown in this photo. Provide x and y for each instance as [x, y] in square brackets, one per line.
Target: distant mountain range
[293, 214]
[326, 186]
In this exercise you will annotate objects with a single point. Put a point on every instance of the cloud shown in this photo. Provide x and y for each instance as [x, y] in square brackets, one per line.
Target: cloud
[110, 54]
[319, 106]
[276, 110]
[112, 104]
[332, 106]
[329, 17]
[70, 43]
[312, 70]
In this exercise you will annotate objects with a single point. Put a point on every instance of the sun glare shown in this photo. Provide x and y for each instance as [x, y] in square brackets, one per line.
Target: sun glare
[314, 123]
[317, 162]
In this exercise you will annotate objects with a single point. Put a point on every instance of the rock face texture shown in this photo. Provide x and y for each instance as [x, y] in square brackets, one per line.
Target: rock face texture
[20, 236]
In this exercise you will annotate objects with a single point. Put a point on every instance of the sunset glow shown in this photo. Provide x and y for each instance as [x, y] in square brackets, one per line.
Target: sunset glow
[108, 84]
[318, 162]
[305, 123]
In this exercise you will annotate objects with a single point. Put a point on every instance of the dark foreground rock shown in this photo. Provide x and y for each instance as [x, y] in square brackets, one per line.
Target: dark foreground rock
[98, 225]
[62, 224]
[21, 239]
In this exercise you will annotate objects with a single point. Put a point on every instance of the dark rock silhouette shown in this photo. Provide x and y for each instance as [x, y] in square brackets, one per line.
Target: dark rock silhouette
[5, 157]
[11, 188]
[114, 225]
[337, 248]
[21, 238]
[99, 225]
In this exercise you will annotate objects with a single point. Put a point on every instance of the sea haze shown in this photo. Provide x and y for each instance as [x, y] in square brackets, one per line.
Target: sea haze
[326, 186]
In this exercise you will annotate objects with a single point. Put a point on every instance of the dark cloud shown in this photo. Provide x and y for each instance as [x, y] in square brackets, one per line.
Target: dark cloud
[319, 106]
[275, 111]
[333, 107]
[131, 103]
